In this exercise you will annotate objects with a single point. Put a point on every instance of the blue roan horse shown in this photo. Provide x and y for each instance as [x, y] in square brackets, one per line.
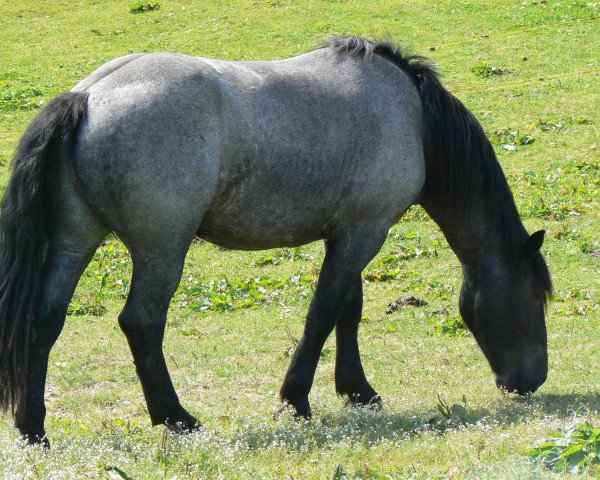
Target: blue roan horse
[332, 145]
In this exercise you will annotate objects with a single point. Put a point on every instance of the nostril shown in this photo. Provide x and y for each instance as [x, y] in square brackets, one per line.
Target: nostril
[526, 377]
[519, 383]
[507, 383]
[525, 387]
[514, 383]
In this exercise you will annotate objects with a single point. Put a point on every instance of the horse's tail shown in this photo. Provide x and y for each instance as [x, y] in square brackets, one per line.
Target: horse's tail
[24, 237]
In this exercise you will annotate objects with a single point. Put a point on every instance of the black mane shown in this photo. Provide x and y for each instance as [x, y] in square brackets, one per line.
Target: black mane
[416, 66]
[462, 171]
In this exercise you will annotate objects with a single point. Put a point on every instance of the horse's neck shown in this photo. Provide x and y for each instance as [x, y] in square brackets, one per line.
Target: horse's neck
[473, 234]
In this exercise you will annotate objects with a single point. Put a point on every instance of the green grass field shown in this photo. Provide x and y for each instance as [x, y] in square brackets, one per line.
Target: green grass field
[529, 70]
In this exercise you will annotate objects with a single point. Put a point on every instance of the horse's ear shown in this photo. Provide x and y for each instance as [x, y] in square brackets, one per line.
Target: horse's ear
[533, 243]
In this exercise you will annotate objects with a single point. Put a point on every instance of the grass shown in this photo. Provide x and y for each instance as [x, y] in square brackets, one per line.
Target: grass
[237, 315]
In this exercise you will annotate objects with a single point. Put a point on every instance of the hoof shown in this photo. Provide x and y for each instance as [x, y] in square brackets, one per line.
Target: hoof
[371, 400]
[300, 410]
[188, 424]
[36, 439]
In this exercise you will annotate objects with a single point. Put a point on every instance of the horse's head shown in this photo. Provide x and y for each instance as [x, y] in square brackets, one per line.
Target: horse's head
[503, 304]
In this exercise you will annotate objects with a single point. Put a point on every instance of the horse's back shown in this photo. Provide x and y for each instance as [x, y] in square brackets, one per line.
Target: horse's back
[252, 154]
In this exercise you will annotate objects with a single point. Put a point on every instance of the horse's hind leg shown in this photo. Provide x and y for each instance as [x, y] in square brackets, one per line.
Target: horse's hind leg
[72, 245]
[156, 275]
[336, 300]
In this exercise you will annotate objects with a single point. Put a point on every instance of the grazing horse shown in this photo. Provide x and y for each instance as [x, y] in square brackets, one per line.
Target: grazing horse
[331, 145]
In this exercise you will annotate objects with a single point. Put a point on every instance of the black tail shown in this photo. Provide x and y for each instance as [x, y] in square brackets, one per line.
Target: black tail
[24, 238]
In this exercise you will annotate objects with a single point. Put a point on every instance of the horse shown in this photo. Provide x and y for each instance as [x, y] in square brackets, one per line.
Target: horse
[333, 145]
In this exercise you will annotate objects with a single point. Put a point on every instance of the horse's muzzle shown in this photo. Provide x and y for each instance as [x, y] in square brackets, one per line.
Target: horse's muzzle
[526, 378]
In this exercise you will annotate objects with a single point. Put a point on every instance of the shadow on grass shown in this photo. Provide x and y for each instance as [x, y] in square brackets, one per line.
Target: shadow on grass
[367, 427]
[520, 409]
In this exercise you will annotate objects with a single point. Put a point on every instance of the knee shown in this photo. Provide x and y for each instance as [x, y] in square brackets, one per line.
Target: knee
[129, 321]
[136, 322]
[49, 324]
[294, 386]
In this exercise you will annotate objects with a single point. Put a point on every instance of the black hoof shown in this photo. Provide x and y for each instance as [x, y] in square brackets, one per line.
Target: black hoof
[300, 409]
[36, 439]
[370, 400]
[184, 424]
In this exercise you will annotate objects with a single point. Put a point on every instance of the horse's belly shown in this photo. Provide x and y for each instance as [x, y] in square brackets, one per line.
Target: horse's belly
[260, 211]
[274, 222]
[238, 240]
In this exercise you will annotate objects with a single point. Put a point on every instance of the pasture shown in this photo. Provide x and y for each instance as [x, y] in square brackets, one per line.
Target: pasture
[529, 72]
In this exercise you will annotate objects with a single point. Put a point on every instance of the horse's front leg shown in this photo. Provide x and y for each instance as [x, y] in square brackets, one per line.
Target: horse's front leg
[346, 255]
[350, 377]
